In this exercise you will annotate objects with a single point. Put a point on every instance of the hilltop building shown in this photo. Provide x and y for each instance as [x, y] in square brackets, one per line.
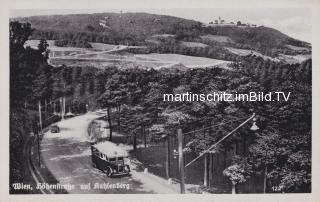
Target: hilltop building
[222, 22]
[103, 22]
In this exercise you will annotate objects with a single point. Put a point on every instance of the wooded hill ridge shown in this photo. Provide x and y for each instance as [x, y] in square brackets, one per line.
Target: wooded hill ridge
[138, 28]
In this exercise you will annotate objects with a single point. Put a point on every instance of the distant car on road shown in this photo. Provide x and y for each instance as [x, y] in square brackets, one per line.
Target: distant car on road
[69, 115]
[109, 158]
[55, 129]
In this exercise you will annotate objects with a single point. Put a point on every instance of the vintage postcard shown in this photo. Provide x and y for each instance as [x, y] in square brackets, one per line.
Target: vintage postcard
[202, 99]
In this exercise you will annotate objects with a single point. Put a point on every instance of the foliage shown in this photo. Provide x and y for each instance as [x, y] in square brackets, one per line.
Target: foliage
[28, 74]
[77, 42]
[239, 171]
[284, 138]
[283, 145]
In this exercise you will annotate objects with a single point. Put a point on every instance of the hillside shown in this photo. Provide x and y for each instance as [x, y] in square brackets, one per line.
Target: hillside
[163, 32]
[107, 27]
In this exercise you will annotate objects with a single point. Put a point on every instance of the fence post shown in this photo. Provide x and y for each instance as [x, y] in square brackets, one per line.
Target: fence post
[168, 157]
[181, 161]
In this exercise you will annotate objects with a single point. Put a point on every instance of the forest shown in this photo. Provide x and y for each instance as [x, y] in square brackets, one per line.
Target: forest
[282, 146]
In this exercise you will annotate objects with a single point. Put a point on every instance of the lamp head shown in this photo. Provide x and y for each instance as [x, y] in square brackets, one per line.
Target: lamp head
[254, 127]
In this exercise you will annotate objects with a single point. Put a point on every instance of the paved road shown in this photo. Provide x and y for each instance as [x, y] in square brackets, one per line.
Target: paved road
[67, 156]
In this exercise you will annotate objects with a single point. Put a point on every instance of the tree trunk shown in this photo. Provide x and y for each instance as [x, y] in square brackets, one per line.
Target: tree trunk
[244, 145]
[45, 107]
[210, 170]
[265, 180]
[119, 116]
[234, 188]
[204, 132]
[134, 141]
[110, 123]
[205, 175]
[144, 137]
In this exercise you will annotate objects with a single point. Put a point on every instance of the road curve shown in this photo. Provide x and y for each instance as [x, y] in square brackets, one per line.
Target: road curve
[68, 157]
[35, 174]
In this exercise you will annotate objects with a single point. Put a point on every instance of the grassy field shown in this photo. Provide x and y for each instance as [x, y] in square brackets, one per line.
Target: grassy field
[217, 38]
[193, 44]
[241, 52]
[153, 41]
[297, 48]
[102, 46]
[98, 56]
[162, 35]
[100, 62]
[292, 59]
[245, 52]
[155, 61]
[188, 61]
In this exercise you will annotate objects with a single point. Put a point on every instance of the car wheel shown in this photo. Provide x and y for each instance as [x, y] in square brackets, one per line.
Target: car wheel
[127, 168]
[108, 171]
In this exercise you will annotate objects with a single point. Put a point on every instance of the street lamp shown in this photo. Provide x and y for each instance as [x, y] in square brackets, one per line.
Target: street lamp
[254, 126]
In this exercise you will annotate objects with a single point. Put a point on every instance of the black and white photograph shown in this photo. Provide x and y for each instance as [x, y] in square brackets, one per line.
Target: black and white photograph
[160, 100]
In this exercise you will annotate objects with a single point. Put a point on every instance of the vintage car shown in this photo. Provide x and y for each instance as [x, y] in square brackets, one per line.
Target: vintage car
[109, 158]
[55, 129]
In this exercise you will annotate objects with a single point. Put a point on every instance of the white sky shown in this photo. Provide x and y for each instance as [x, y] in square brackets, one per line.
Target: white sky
[295, 22]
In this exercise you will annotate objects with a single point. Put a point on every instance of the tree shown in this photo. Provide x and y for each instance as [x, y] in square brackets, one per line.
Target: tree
[91, 86]
[43, 48]
[108, 100]
[27, 72]
[281, 150]
[238, 172]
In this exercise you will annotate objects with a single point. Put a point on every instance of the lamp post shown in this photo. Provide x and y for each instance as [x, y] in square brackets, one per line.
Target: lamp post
[181, 161]
[254, 127]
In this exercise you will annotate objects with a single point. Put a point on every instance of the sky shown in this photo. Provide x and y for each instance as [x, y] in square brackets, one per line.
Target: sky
[295, 22]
